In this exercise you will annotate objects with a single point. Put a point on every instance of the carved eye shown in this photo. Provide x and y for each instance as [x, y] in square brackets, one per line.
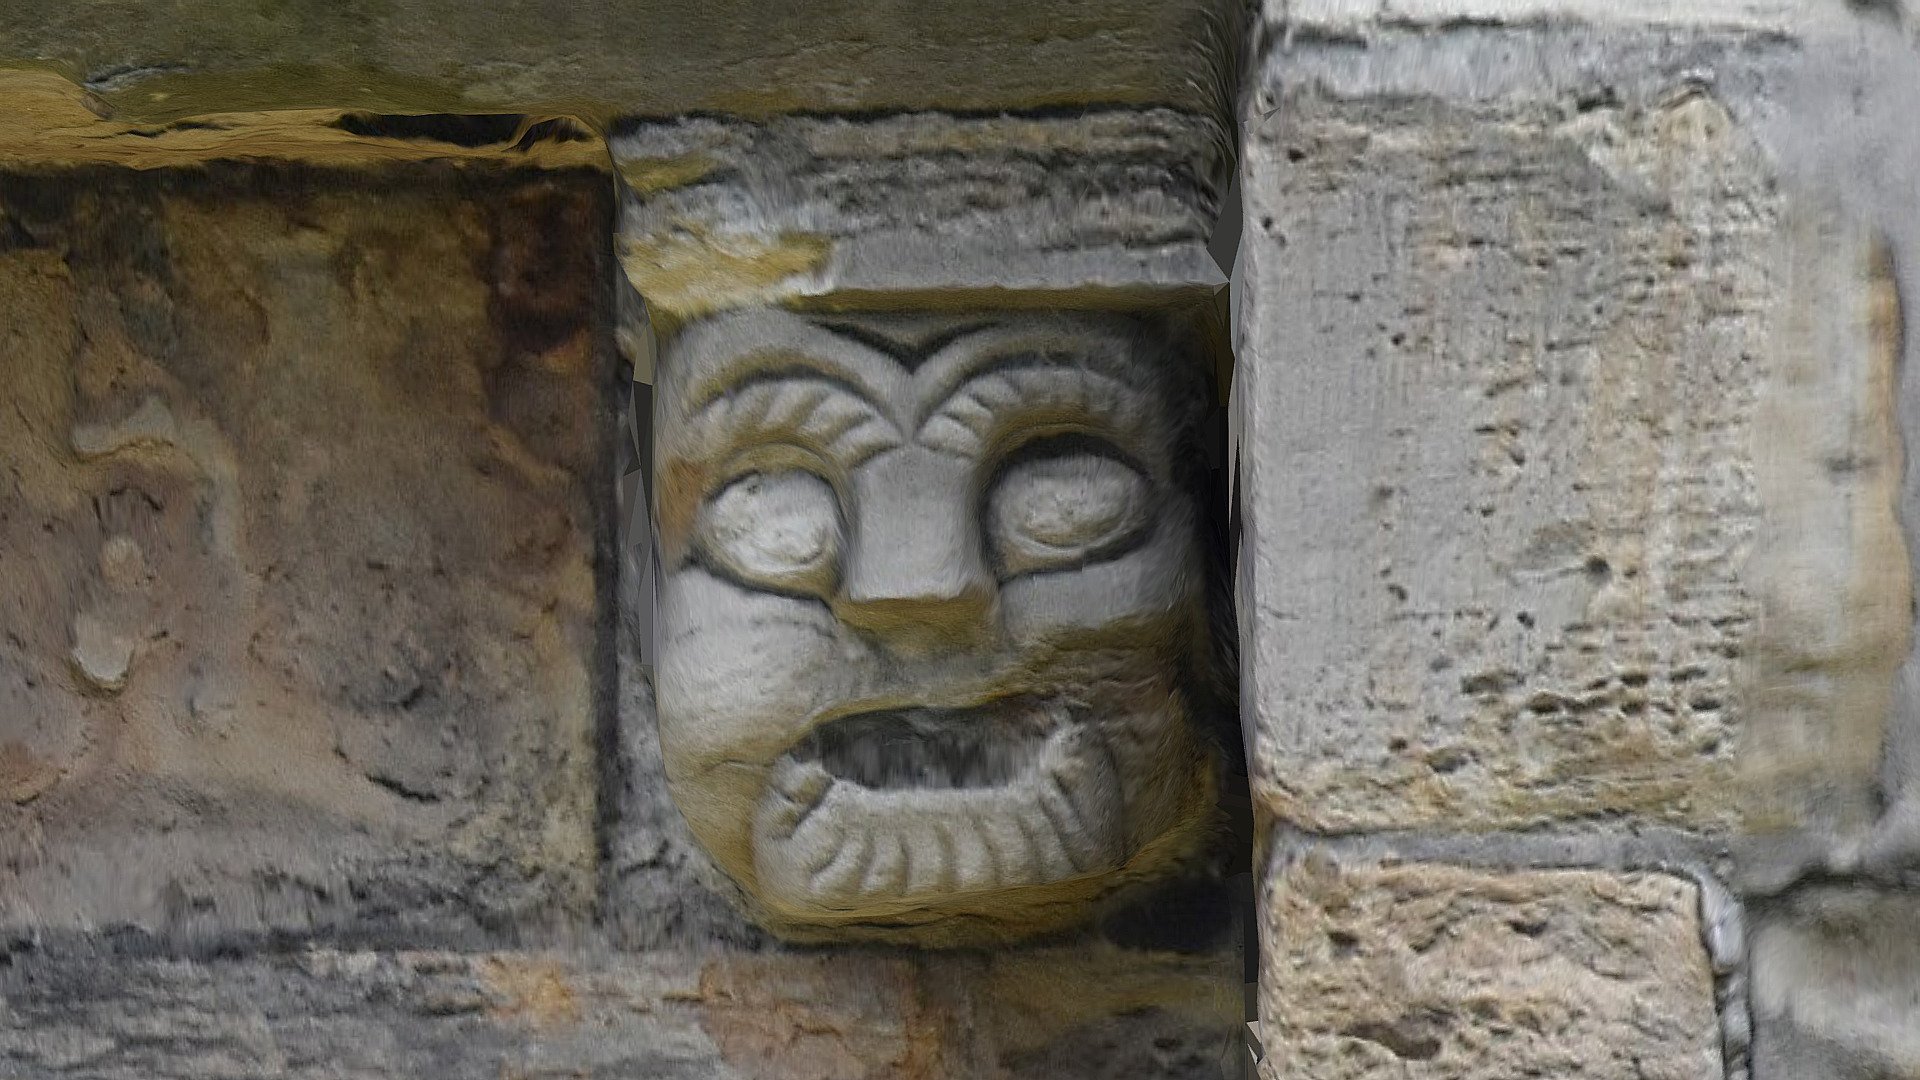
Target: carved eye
[1065, 508]
[780, 530]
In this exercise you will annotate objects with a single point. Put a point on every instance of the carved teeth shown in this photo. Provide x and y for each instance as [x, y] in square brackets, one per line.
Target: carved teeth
[889, 873]
[839, 842]
[805, 782]
[840, 879]
[798, 790]
[926, 749]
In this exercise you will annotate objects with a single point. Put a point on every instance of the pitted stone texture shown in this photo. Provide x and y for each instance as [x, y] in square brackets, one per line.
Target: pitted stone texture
[1430, 971]
[717, 214]
[327, 1013]
[1836, 986]
[298, 616]
[1569, 474]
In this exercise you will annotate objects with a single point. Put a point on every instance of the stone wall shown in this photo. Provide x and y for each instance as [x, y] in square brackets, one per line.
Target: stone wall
[1553, 504]
[327, 749]
[1575, 582]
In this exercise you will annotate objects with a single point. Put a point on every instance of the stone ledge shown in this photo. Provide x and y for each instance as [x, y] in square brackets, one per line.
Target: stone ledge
[716, 213]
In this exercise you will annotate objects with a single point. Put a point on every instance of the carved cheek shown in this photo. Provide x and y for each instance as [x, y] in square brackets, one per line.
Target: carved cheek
[742, 672]
[1151, 589]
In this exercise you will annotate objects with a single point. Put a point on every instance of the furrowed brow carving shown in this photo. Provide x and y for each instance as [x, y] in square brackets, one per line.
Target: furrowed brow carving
[823, 414]
[1032, 392]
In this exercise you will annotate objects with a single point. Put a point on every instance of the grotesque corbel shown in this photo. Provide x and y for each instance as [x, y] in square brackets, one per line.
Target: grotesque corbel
[932, 613]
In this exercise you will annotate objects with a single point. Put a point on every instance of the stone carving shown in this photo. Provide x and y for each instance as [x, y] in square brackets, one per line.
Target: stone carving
[931, 613]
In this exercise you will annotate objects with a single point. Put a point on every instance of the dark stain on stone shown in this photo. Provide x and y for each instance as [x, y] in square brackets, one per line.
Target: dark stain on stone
[472, 130]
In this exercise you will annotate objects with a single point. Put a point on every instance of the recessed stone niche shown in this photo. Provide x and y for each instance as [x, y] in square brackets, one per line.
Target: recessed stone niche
[939, 612]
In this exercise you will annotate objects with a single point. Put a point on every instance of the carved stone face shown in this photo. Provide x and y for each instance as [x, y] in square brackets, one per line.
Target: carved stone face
[929, 603]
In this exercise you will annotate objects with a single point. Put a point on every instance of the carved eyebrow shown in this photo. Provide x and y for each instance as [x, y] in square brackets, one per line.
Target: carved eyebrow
[1036, 385]
[727, 376]
[799, 407]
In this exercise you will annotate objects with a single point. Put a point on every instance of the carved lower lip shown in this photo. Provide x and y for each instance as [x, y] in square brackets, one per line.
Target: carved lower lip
[831, 843]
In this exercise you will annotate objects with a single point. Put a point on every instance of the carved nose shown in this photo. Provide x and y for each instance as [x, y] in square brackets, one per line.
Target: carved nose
[916, 578]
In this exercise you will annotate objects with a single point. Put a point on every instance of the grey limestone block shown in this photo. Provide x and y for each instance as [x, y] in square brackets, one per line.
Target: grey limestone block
[1570, 455]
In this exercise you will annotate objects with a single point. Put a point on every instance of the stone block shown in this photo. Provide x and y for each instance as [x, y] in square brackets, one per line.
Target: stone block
[1570, 468]
[1836, 986]
[357, 1015]
[299, 608]
[1113, 207]
[660, 58]
[1426, 970]
[1059, 1014]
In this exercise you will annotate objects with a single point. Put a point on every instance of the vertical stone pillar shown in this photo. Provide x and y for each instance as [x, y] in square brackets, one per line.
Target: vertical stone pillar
[1574, 589]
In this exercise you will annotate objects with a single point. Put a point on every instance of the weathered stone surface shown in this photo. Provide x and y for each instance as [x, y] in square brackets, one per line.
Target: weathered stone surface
[326, 1013]
[332, 1013]
[1569, 471]
[649, 57]
[1836, 986]
[298, 598]
[50, 123]
[1425, 970]
[1113, 205]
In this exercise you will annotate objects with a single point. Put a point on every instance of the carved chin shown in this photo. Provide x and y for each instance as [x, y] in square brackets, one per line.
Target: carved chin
[926, 808]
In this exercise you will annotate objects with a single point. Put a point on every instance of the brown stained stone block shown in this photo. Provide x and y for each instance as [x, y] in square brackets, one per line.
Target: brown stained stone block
[297, 539]
[1429, 971]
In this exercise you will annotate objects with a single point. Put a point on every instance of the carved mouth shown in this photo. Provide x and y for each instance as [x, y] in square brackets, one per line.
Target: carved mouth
[904, 808]
[924, 749]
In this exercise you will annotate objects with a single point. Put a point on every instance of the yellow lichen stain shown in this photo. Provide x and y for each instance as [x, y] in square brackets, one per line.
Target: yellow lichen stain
[682, 489]
[49, 122]
[648, 175]
[693, 272]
